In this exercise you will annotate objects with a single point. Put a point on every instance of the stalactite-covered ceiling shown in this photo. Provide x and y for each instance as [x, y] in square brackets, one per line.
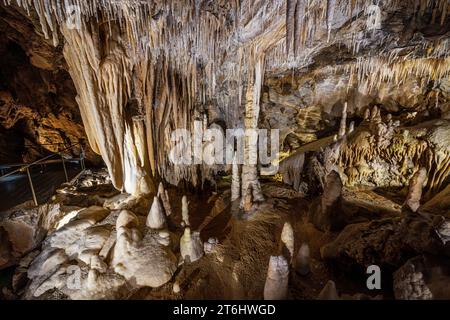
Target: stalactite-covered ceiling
[143, 68]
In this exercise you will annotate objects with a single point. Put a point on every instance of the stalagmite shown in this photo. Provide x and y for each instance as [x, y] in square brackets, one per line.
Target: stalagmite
[326, 213]
[235, 181]
[343, 125]
[416, 185]
[185, 211]
[351, 127]
[156, 218]
[164, 196]
[210, 245]
[252, 108]
[247, 200]
[276, 286]
[288, 239]
[92, 280]
[329, 292]
[191, 246]
[302, 262]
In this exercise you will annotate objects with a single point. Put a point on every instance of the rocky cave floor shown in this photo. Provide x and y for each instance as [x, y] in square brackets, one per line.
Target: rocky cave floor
[92, 231]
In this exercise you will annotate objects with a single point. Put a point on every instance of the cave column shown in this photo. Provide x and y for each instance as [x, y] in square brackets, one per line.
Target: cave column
[252, 108]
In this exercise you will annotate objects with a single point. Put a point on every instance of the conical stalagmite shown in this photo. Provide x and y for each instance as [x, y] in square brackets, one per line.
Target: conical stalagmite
[276, 286]
[302, 260]
[329, 292]
[416, 185]
[156, 218]
[191, 246]
[287, 238]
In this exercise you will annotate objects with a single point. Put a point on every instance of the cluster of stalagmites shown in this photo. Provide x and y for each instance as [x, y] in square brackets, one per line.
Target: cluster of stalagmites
[102, 251]
[378, 153]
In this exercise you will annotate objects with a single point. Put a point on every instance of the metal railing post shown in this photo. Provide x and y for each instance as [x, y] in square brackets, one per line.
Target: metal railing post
[83, 167]
[64, 166]
[32, 187]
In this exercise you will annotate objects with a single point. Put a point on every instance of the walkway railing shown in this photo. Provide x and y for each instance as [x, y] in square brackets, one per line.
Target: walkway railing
[25, 167]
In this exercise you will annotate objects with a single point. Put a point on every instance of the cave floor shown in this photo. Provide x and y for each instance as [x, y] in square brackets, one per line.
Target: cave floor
[237, 268]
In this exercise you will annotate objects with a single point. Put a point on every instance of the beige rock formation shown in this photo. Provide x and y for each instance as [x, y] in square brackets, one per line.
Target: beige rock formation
[156, 218]
[191, 246]
[276, 287]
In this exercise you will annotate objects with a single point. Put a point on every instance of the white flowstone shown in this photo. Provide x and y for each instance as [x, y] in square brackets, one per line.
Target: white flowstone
[145, 262]
[191, 246]
[276, 286]
[156, 218]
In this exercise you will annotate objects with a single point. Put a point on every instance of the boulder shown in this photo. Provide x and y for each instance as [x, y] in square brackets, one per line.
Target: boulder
[389, 241]
[424, 277]
[20, 233]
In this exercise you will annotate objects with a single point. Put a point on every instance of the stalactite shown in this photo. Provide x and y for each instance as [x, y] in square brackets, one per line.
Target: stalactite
[302, 262]
[170, 56]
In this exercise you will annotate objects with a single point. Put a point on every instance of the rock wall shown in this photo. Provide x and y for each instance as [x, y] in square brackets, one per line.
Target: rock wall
[38, 112]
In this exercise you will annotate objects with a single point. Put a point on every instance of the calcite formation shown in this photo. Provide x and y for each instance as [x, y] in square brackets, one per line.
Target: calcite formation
[276, 287]
[355, 95]
[127, 107]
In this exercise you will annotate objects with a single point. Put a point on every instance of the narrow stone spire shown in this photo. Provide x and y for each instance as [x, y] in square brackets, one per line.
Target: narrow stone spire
[156, 218]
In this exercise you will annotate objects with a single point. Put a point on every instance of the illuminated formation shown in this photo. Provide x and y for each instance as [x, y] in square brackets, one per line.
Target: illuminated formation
[349, 100]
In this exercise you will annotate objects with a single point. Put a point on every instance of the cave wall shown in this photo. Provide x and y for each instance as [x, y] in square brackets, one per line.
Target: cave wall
[38, 113]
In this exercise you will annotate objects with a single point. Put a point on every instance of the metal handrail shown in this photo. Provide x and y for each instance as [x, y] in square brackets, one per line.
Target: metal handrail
[26, 166]
[42, 161]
